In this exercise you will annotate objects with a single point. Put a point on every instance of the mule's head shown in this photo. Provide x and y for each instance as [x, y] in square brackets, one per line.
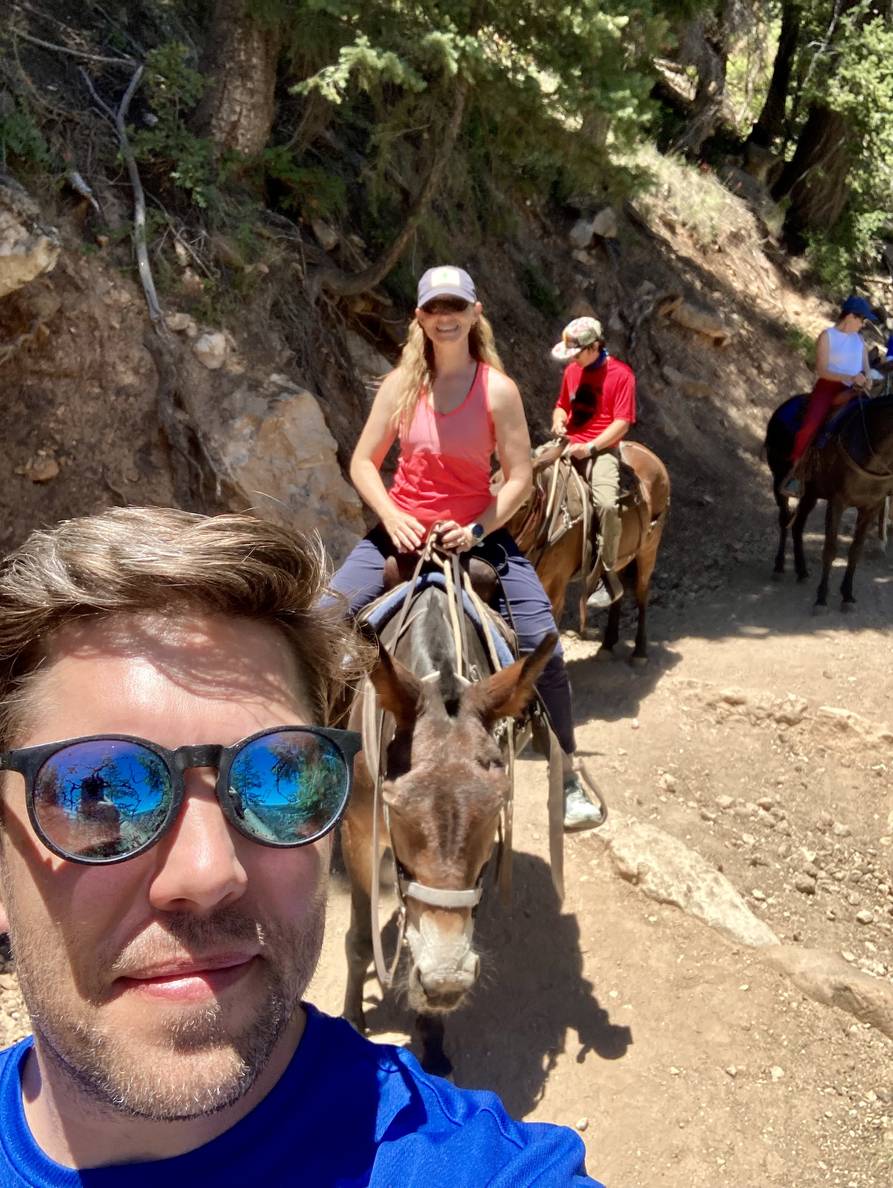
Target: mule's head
[445, 785]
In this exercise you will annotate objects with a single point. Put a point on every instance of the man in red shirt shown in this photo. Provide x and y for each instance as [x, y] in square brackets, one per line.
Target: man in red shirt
[594, 410]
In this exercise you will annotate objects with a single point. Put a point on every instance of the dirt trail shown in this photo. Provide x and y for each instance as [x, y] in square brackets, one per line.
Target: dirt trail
[686, 1060]
[683, 1059]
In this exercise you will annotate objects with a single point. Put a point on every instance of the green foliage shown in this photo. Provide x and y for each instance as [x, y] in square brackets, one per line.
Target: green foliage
[173, 88]
[550, 83]
[845, 61]
[308, 188]
[800, 342]
[21, 138]
[842, 254]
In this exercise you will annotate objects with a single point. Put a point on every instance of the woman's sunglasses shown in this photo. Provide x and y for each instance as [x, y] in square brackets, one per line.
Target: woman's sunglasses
[442, 305]
[106, 798]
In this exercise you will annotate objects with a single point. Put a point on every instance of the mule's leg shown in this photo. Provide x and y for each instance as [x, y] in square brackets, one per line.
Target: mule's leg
[805, 506]
[645, 563]
[612, 632]
[784, 519]
[431, 1032]
[832, 527]
[863, 523]
[356, 847]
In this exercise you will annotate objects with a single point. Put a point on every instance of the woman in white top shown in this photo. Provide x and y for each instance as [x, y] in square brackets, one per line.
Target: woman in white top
[842, 371]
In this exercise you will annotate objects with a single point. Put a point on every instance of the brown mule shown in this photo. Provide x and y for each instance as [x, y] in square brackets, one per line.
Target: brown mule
[557, 548]
[445, 784]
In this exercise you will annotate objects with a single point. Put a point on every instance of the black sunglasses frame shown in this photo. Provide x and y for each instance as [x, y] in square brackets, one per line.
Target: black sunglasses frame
[28, 761]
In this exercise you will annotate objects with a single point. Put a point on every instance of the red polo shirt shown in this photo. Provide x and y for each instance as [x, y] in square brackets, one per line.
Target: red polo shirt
[595, 396]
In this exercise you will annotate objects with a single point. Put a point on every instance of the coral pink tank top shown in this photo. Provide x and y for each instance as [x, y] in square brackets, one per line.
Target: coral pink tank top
[444, 467]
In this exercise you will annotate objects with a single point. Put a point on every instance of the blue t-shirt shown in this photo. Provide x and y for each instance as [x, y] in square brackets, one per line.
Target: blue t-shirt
[344, 1112]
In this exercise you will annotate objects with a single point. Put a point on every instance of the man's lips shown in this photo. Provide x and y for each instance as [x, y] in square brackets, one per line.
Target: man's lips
[190, 978]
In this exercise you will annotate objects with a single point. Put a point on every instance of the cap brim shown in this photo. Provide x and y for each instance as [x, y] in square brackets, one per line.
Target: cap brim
[564, 353]
[446, 291]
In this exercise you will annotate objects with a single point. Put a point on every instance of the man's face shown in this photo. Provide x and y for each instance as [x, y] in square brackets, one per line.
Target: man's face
[164, 982]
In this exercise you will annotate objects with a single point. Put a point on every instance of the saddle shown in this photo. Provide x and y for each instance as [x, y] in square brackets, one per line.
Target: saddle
[562, 497]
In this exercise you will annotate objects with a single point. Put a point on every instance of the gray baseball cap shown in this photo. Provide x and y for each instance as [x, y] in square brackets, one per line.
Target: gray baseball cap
[446, 280]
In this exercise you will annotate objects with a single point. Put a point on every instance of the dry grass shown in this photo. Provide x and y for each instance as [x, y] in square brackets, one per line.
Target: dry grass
[685, 196]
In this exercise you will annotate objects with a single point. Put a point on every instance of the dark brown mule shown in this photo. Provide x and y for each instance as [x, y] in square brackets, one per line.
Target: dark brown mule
[560, 559]
[445, 786]
[852, 469]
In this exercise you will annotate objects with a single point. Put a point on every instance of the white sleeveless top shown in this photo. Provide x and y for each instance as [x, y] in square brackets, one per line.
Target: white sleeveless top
[844, 352]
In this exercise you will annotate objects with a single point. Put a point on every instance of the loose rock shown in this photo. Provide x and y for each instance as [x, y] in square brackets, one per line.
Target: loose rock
[210, 349]
[826, 978]
[668, 871]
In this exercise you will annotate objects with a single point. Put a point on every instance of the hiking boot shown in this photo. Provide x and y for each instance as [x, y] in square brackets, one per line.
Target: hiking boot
[608, 590]
[579, 811]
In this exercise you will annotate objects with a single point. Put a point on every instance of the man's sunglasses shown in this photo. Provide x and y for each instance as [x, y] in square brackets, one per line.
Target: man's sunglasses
[106, 798]
[442, 305]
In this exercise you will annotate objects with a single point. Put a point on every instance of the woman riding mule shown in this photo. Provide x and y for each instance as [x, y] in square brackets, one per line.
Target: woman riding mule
[842, 371]
[452, 406]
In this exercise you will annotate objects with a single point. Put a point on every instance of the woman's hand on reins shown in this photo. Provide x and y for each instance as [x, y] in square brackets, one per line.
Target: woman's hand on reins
[455, 537]
[405, 531]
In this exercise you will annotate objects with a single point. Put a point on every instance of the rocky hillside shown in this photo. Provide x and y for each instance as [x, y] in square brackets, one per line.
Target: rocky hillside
[262, 409]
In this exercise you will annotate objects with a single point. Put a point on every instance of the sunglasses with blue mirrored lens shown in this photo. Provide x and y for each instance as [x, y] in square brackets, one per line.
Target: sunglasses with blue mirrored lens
[106, 798]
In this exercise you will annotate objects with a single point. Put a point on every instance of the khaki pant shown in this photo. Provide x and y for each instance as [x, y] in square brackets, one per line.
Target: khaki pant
[604, 482]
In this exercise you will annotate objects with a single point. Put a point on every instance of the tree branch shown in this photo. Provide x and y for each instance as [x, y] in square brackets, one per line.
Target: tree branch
[63, 49]
[350, 284]
[118, 118]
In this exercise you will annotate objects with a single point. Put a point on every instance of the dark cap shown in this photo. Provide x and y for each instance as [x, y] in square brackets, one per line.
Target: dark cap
[860, 307]
[446, 281]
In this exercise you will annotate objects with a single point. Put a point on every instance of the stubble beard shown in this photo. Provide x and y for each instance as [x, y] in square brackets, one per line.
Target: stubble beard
[195, 1065]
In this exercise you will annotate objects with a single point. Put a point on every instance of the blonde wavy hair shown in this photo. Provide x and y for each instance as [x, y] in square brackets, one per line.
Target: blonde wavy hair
[416, 369]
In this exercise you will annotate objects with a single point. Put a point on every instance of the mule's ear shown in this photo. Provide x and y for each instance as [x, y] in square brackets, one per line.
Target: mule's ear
[507, 692]
[399, 691]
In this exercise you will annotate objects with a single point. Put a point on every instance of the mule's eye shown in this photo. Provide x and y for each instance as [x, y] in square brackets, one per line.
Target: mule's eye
[491, 763]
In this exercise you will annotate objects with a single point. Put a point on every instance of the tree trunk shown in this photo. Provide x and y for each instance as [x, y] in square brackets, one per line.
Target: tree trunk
[704, 47]
[240, 61]
[816, 176]
[770, 124]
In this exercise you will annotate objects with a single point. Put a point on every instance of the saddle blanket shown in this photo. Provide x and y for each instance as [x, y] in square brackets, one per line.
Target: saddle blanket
[382, 611]
[791, 415]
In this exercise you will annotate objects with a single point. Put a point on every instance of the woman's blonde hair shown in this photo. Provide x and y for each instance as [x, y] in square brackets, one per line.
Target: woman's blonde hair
[416, 370]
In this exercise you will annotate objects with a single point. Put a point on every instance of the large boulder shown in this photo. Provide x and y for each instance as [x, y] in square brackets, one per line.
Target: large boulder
[669, 872]
[275, 453]
[27, 247]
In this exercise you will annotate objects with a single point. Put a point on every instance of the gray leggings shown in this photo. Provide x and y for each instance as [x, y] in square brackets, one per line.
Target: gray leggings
[360, 579]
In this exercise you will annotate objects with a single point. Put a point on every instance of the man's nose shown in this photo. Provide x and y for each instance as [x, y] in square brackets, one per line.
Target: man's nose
[198, 868]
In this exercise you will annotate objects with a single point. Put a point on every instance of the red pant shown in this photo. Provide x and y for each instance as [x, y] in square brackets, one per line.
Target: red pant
[821, 400]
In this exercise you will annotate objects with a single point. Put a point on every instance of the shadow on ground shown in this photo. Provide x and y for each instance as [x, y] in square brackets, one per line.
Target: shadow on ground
[532, 1003]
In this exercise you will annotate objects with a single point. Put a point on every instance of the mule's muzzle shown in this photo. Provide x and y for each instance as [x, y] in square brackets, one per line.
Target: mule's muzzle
[442, 987]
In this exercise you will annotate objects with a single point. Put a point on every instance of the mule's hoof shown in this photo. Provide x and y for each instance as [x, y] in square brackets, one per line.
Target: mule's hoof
[848, 605]
[778, 575]
[802, 577]
[820, 608]
[604, 654]
[638, 661]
